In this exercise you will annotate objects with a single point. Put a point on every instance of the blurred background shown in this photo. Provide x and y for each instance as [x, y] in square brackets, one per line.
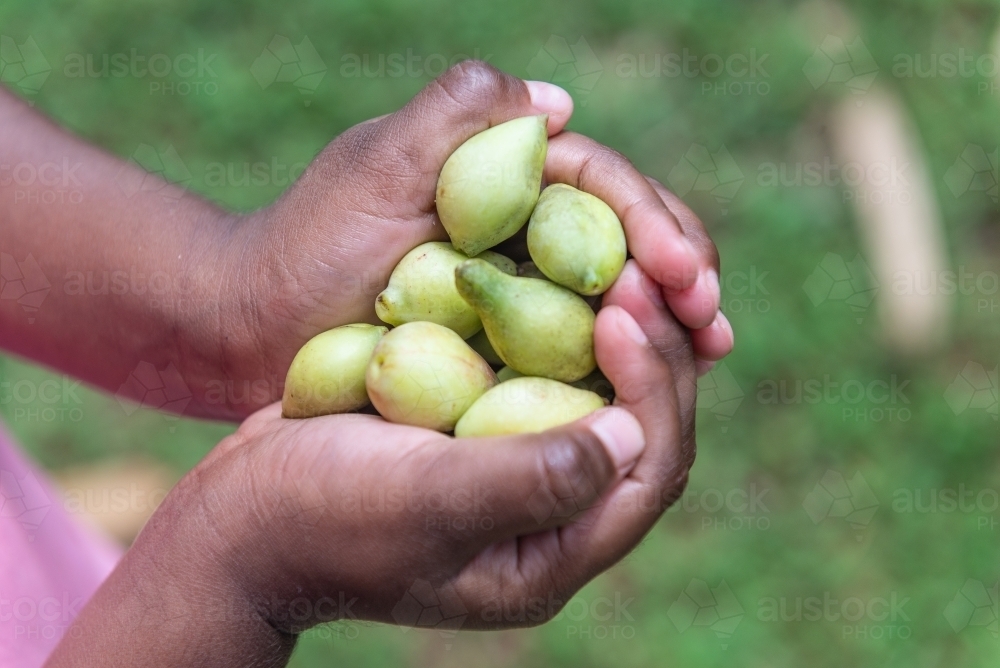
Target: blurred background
[844, 507]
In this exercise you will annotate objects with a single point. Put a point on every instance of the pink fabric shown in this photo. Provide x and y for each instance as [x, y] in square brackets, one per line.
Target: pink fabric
[50, 564]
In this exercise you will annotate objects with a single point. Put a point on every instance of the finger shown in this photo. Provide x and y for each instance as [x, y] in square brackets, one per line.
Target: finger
[528, 483]
[467, 99]
[548, 98]
[696, 306]
[554, 564]
[653, 234]
[644, 385]
[714, 342]
[636, 292]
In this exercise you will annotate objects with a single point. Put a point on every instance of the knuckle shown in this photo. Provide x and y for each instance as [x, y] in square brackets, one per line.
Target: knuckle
[598, 162]
[617, 158]
[644, 387]
[574, 466]
[471, 80]
[604, 157]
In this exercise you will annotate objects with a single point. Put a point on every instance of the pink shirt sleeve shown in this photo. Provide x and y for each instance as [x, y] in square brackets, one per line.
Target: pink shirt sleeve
[50, 563]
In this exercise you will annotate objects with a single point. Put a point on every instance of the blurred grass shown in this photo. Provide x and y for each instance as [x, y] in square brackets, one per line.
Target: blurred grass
[774, 551]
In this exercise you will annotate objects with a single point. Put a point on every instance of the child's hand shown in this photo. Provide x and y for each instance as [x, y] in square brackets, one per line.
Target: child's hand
[290, 523]
[319, 256]
[154, 277]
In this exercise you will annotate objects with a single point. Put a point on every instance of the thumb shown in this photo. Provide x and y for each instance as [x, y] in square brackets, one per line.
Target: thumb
[531, 482]
[471, 97]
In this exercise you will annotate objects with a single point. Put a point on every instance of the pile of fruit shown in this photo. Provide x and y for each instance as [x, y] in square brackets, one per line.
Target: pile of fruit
[458, 308]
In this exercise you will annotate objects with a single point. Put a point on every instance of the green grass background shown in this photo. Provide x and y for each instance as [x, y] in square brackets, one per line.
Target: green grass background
[774, 552]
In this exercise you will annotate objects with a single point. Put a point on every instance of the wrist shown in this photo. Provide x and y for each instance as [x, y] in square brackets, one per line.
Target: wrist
[225, 347]
[252, 535]
[180, 595]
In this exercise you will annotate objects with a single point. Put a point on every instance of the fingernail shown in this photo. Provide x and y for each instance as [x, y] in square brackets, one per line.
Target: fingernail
[691, 251]
[631, 328]
[549, 98]
[703, 367]
[711, 279]
[621, 434]
[724, 324]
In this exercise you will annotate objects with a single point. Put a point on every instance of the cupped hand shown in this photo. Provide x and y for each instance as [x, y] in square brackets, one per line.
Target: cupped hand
[350, 507]
[319, 256]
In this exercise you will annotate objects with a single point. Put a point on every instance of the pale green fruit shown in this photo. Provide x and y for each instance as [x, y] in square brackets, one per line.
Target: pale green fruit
[576, 240]
[425, 375]
[536, 326]
[526, 405]
[422, 287]
[506, 373]
[490, 184]
[328, 373]
[481, 344]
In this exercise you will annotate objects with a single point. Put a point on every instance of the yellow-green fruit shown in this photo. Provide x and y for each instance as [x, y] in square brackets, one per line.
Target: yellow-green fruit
[481, 344]
[506, 373]
[576, 240]
[422, 287]
[328, 373]
[490, 184]
[526, 405]
[536, 326]
[425, 375]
